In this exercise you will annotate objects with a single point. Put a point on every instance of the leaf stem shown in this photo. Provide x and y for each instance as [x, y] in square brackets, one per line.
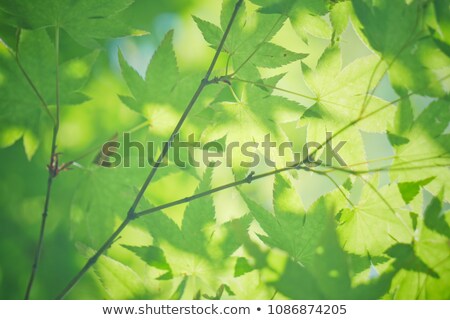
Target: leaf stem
[258, 46]
[336, 185]
[52, 173]
[28, 78]
[276, 88]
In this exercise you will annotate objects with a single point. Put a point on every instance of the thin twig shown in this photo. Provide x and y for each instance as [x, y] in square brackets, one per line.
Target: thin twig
[276, 88]
[392, 167]
[131, 215]
[249, 179]
[52, 173]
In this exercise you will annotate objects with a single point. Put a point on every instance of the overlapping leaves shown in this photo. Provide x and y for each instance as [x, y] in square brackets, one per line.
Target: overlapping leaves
[373, 236]
[85, 21]
[305, 16]
[341, 95]
[266, 112]
[405, 44]
[192, 255]
[23, 114]
[248, 43]
[390, 240]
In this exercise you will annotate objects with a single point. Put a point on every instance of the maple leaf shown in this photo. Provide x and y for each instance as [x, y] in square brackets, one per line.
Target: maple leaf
[22, 111]
[85, 21]
[341, 95]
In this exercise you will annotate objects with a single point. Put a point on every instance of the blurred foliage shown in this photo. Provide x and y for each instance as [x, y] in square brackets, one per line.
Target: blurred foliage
[374, 72]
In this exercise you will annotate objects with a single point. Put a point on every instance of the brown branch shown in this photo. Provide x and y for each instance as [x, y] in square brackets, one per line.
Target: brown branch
[131, 215]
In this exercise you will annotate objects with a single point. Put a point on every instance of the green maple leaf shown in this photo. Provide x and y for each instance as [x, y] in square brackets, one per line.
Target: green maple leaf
[119, 280]
[371, 226]
[434, 220]
[427, 146]
[242, 267]
[164, 93]
[179, 291]
[153, 256]
[105, 194]
[85, 21]
[290, 228]
[211, 32]
[339, 16]
[266, 112]
[410, 190]
[426, 261]
[192, 236]
[247, 43]
[412, 62]
[160, 78]
[305, 16]
[235, 233]
[102, 196]
[407, 259]
[22, 113]
[341, 95]
[329, 274]
[433, 248]
[193, 250]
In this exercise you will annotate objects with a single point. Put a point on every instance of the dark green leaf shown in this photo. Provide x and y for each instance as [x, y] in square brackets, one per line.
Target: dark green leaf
[434, 219]
[151, 255]
[410, 190]
[85, 21]
[210, 32]
[178, 294]
[406, 258]
[242, 267]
